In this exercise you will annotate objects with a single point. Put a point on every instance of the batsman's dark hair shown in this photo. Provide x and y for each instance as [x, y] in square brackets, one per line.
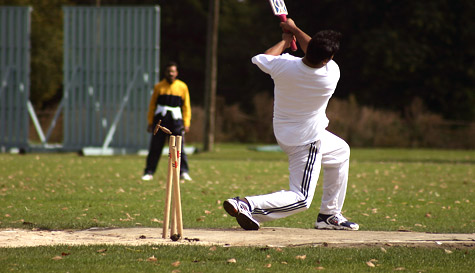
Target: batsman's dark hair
[323, 45]
[171, 63]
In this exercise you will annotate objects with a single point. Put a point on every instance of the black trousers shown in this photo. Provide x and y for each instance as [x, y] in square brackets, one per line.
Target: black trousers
[157, 142]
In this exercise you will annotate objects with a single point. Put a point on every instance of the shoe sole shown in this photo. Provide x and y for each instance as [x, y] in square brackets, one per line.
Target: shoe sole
[246, 223]
[242, 219]
[230, 209]
[324, 225]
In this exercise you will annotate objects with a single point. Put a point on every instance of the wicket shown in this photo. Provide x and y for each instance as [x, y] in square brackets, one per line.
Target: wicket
[173, 184]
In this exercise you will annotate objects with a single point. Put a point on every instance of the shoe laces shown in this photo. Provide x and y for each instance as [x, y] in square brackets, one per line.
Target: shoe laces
[243, 205]
[340, 218]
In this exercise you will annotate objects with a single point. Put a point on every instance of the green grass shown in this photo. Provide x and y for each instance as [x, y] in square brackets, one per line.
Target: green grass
[416, 190]
[217, 259]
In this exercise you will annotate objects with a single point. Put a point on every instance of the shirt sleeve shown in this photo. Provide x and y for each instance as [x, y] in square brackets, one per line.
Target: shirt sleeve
[264, 62]
[152, 106]
[271, 64]
[186, 108]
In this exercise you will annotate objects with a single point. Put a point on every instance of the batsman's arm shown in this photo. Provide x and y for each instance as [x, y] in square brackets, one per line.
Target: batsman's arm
[151, 109]
[301, 36]
[278, 48]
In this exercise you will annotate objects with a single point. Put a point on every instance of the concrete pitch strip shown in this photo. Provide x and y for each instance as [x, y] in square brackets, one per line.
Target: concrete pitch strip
[265, 237]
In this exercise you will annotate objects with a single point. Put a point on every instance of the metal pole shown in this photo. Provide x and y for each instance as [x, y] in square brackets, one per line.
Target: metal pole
[31, 110]
[61, 104]
[125, 99]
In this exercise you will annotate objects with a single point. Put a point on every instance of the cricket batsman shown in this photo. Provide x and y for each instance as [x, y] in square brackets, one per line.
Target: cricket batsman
[303, 87]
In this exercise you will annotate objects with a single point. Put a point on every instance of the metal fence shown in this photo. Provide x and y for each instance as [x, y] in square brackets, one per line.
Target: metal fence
[14, 76]
[111, 63]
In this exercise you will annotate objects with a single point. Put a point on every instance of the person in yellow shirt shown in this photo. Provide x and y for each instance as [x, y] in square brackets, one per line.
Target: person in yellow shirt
[170, 103]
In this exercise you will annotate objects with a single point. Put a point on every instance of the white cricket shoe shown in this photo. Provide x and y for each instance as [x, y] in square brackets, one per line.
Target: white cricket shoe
[147, 177]
[186, 177]
[335, 221]
[239, 209]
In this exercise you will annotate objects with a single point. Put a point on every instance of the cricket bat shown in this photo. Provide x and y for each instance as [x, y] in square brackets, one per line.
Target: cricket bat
[279, 9]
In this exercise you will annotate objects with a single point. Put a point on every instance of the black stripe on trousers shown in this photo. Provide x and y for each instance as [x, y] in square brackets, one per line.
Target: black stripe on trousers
[307, 177]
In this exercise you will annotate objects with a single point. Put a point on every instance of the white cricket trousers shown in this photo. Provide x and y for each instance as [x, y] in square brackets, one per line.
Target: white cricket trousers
[330, 152]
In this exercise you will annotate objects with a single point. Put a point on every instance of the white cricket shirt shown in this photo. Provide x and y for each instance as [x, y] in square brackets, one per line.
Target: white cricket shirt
[301, 95]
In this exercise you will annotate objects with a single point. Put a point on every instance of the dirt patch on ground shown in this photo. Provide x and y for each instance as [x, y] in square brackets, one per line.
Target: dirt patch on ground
[265, 237]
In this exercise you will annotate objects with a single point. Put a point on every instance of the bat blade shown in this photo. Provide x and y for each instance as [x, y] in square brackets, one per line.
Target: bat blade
[280, 10]
[278, 7]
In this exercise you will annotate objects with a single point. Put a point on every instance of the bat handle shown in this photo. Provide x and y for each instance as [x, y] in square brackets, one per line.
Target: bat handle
[293, 45]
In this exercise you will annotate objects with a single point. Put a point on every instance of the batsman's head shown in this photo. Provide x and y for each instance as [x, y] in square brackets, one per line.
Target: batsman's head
[323, 45]
[171, 72]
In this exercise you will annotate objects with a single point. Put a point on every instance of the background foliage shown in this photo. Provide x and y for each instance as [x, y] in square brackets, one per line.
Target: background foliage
[393, 52]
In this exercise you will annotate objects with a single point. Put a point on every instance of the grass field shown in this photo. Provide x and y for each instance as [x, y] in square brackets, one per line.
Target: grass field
[414, 190]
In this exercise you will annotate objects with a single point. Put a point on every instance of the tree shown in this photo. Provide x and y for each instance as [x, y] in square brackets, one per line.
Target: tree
[211, 75]
[392, 51]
